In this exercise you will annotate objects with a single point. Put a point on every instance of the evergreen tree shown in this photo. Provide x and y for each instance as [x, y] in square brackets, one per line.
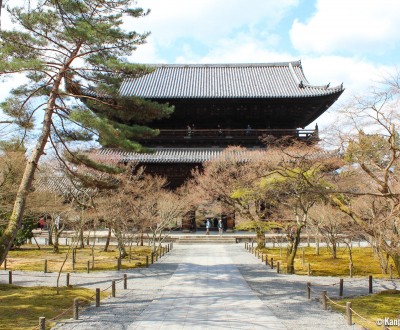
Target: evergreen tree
[73, 53]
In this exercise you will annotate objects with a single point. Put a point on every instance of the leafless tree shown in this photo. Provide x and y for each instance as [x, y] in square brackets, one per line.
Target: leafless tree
[168, 208]
[371, 149]
[331, 224]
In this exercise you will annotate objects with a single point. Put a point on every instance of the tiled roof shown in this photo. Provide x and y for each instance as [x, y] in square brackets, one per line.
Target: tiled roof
[60, 185]
[267, 80]
[171, 155]
[200, 155]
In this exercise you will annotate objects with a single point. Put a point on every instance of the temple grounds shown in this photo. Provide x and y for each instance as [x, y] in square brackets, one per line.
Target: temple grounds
[205, 286]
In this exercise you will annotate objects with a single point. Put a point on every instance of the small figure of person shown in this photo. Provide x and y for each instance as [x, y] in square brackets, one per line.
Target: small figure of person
[219, 130]
[208, 224]
[248, 130]
[189, 130]
[42, 222]
[220, 227]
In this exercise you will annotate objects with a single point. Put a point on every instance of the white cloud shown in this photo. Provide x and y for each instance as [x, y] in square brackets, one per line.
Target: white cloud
[244, 49]
[147, 53]
[349, 25]
[207, 20]
[357, 76]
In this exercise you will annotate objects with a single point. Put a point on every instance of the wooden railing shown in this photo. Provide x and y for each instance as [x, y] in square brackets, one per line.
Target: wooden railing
[236, 133]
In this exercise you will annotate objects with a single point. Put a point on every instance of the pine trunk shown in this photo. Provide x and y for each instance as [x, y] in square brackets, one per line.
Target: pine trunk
[15, 221]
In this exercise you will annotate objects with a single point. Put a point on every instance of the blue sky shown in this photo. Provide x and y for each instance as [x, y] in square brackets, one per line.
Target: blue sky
[356, 42]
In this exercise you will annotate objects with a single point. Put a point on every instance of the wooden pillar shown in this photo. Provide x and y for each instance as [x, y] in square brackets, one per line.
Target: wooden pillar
[188, 221]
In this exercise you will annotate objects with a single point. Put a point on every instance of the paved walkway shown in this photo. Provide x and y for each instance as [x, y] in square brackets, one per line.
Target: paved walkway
[205, 286]
[206, 291]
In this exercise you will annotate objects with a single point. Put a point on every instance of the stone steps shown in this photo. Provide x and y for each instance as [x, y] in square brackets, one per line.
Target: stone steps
[206, 240]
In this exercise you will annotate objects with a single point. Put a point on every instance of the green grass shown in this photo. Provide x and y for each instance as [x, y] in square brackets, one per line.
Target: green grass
[21, 307]
[30, 258]
[373, 307]
[364, 262]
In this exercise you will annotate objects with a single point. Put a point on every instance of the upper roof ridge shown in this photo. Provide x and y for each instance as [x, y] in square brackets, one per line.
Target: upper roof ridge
[225, 65]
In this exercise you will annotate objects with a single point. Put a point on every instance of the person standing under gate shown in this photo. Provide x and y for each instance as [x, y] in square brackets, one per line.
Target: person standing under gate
[208, 224]
[220, 227]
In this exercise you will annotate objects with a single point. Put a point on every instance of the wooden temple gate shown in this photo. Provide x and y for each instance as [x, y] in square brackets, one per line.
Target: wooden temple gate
[219, 105]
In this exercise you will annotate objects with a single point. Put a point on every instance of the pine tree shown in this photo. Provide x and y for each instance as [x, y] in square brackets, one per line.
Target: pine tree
[73, 53]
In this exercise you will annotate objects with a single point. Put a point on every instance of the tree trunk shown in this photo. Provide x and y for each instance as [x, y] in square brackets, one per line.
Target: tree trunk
[292, 249]
[396, 261]
[316, 239]
[81, 238]
[141, 237]
[260, 238]
[88, 239]
[15, 220]
[334, 249]
[107, 240]
[56, 239]
[120, 242]
[350, 261]
[1, 7]
[50, 230]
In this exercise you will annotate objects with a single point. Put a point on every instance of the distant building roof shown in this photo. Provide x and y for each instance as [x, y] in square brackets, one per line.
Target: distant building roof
[59, 185]
[265, 80]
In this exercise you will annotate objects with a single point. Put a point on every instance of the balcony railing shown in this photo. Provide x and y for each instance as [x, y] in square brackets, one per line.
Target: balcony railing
[244, 134]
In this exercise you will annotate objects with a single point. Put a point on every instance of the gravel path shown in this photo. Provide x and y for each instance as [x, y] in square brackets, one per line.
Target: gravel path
[283, 296]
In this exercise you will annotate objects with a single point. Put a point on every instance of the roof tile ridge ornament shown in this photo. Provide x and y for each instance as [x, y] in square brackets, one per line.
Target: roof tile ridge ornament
[301, 84]
[295, 77]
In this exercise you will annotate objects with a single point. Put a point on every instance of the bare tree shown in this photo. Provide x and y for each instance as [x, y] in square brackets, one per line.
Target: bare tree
[331, 224]
[168, 208]
[54, 207]
[233, 180]
[263, 185]
[371, 149]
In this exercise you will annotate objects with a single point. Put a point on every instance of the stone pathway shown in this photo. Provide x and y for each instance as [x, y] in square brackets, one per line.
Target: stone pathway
[207, 292]
[205, 286]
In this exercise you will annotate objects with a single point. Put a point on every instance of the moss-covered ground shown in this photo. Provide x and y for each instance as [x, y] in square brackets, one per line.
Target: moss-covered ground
[21, 307]
[31, 258]
[365, 262]
[379, 306]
